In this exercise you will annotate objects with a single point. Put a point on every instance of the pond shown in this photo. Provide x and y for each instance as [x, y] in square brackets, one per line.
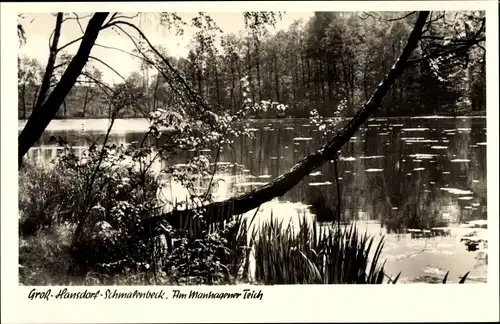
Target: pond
[392, 166]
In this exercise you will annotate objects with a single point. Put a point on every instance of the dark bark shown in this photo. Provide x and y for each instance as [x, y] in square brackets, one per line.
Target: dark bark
[238, 205]
[85, 100]
[42, 116]
[23, 95]
[49, 69]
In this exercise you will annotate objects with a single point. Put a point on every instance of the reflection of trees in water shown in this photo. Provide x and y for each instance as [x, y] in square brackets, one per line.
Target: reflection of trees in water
[400, 195]
[390, 195]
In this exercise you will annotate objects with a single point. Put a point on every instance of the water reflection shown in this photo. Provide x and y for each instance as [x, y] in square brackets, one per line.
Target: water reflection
[392, 169]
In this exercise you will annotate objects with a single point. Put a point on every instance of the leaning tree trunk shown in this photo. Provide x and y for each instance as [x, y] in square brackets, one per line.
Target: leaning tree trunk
[41, 117]
[224, 210]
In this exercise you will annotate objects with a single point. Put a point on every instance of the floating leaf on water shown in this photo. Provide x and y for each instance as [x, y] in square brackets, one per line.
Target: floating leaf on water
[316, 184]
[303, 139]
[415, 129]
[423, 156]
[374, 170]
[475, 181]
[437, 147]
[456, 191]
[418, 169]
[314, 174]
[445, 172]
[249, 184]
[466, 198]
[372, 157]
[421, 141]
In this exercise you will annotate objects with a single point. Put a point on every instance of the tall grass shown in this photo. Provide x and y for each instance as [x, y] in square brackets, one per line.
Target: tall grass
[316, 255]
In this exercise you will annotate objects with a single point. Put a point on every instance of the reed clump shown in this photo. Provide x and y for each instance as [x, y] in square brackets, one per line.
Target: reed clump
[312, 254]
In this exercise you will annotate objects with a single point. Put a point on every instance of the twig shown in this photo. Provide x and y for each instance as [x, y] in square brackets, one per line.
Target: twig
[107, 65]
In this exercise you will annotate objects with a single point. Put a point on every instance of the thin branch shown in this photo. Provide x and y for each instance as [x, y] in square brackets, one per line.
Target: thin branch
[194, 97]
[77, 17]
[126, 52]
[110, 19]
[127, 17]
[70, 43]
[392, 19]
[107, 65]
[78, 22]
[146, 59]
[100, 84]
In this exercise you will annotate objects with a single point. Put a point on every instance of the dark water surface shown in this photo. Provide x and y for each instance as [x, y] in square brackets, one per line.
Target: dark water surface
[413, 166]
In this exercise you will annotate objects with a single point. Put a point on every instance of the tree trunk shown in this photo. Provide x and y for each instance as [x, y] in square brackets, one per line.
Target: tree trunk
[41, 117]
[85, 99]
[278, 187]
[49, 69]
[23, 94]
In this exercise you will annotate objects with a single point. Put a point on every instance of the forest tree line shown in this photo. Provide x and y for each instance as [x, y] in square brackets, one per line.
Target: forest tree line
[334, 58]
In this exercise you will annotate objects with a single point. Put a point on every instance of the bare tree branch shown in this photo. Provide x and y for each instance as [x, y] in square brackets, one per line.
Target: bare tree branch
[70, 43]
[107, 65]
[389, 20]
[78, 22]
[126, 52]
[193, 96]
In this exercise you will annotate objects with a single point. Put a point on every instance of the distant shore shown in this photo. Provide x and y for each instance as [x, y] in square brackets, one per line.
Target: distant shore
[141, 123]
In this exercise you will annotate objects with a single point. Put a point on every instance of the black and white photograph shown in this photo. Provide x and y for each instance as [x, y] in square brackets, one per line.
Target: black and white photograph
[252, 148]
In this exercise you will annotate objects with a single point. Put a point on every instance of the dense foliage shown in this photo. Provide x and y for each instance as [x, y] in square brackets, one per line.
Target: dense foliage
[332, 58]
